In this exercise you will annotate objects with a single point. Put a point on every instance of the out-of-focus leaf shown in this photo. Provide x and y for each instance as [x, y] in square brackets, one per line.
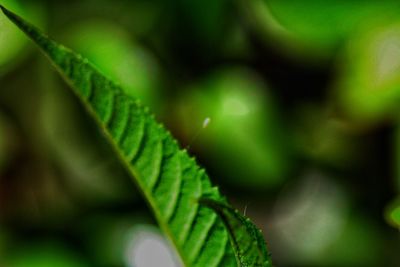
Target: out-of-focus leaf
[392, 213]
[44, 254]
[313, 221]
[244, 139]
[171, 181]
[317, 28]
[118, 57]
[368, 88]
[395, 216]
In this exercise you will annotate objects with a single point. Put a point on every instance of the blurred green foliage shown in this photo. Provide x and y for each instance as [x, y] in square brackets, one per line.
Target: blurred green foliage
[395, 216]
[368, 86]
[288, 87]
[44, 254]
[320, 27]
[119, 58]
[243, 138]
[393, 213]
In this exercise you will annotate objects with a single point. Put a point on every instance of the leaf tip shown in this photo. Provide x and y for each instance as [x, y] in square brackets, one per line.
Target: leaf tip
[5, 10]
[9, 14]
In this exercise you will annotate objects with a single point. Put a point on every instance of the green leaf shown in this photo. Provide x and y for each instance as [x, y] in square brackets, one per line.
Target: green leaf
[327, 23]
[246, 239]
[170, 180]
[392, 213]
[395, 216]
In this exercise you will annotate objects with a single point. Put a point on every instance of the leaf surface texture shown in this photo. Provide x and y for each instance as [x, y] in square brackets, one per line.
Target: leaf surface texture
[169, 178]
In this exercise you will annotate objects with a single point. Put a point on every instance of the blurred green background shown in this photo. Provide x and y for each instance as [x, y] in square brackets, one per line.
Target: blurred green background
[293, 107]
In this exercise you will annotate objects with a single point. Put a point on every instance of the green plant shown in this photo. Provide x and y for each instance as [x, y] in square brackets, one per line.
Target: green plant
[168, 177]
[242, 111]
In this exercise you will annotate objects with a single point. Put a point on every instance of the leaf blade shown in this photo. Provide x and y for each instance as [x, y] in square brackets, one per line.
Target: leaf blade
[171, 181]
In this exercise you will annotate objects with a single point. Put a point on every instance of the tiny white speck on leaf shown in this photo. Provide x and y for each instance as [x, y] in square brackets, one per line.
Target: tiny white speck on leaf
[206, 122]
